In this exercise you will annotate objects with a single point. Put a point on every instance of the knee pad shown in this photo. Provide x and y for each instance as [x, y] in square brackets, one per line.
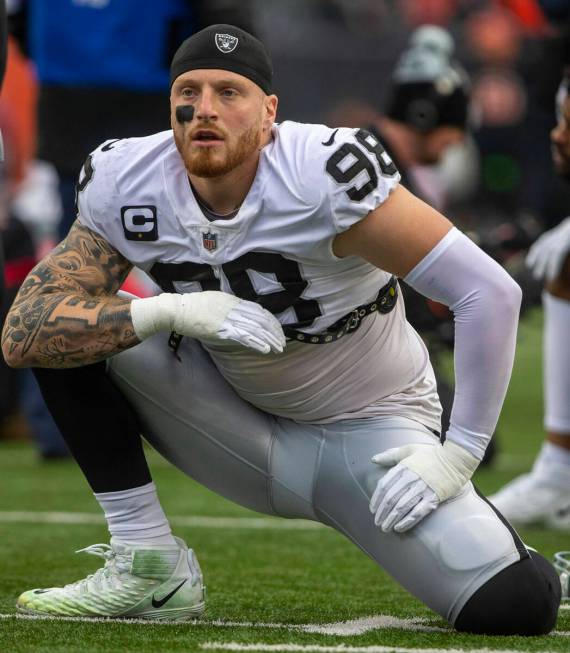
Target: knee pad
[522, 599]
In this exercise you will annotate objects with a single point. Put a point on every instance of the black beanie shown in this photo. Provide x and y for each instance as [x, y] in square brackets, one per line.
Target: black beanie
[228, 48]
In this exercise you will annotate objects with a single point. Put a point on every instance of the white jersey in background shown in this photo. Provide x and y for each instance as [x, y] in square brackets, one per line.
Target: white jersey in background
[311, 184]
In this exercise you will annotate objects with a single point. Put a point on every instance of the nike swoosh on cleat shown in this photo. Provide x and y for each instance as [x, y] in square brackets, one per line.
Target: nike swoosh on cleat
[159, 603]
[40, 591]
[331, 139]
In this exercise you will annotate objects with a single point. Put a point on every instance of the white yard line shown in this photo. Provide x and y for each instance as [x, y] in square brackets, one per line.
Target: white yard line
[364, 624]
[254, 523]
[341, 628]
[341, 648]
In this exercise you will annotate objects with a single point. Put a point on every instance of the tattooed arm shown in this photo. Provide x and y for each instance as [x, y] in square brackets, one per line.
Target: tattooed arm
[66, 313]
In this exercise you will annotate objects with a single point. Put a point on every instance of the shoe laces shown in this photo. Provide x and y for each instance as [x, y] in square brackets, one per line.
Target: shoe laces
[115, 564]
[104, 551]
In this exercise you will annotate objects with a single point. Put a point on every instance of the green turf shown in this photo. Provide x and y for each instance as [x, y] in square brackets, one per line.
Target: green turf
[259, 576]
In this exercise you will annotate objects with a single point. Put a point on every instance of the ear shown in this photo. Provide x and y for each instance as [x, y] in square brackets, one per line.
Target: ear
[270, 111]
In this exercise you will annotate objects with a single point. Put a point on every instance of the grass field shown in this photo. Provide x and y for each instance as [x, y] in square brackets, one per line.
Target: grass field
[272, 584]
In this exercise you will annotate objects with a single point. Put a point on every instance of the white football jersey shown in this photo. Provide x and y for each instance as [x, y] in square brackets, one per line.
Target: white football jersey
[312, 183]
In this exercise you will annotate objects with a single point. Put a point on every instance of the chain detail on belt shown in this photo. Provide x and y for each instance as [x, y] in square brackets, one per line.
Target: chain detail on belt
[384, 303]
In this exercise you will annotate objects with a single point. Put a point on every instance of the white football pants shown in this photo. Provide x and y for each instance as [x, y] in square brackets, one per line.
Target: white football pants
[190, 414]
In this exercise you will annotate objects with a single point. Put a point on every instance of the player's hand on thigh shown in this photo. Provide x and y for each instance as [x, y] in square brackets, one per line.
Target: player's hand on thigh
[422, 476]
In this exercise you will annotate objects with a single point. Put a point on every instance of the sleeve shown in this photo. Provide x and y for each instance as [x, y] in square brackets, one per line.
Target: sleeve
[96, 188]
[485, 302]
[360, 176]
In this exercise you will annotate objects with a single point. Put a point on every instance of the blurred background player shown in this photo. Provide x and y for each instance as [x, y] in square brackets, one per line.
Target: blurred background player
[543, 495]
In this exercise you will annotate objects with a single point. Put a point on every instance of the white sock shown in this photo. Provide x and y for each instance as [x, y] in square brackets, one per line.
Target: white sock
[553, 465]
[135, 516]
[556, 363]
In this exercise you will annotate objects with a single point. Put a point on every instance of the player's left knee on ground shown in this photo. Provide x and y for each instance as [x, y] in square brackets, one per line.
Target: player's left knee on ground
[522, 599]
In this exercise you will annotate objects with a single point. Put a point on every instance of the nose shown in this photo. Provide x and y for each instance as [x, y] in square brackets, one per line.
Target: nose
[205, 107]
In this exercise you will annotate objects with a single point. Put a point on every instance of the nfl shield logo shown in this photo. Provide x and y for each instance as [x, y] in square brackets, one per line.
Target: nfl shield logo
[226, 42]
[210, 241]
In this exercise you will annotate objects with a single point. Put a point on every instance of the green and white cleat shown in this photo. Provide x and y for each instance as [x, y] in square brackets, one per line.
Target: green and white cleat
[136, 582]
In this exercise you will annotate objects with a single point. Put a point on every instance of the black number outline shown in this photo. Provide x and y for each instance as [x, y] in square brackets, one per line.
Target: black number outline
[362, 163]
[287, 272]
[388, 169]
[88, 171]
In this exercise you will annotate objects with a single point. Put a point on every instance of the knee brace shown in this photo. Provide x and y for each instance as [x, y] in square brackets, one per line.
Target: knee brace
[522, 599]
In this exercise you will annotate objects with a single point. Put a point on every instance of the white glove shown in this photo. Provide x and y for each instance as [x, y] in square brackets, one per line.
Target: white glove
[546, 257]
[211, 316]
[422, 476]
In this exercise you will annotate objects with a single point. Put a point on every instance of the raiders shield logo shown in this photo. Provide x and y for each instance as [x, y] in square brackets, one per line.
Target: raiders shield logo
[226, 42]
[210, 241]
